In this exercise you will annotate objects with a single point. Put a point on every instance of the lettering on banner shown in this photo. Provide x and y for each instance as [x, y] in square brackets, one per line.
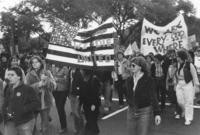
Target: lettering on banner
[162, 40]
[100, 58]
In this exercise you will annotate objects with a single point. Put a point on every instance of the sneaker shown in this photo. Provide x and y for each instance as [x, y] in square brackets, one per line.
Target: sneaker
[177, 116]
[62, 131]
[187, 122]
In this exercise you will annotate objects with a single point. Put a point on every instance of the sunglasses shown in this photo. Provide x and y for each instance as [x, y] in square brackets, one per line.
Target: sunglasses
[133, 65]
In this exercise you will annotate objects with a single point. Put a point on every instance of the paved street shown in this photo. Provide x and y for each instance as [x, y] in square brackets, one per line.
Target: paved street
[116, 125]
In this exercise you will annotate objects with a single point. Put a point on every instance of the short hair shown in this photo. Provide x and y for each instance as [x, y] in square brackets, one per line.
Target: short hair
[159, 57]
[140, 61]
[17, 70]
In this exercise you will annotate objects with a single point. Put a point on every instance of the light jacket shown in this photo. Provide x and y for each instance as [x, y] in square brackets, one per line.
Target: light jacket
[44, 92]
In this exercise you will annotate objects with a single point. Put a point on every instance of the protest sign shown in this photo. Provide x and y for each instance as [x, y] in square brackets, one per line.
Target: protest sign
[89, 48]
[131, 49]
[128, 51]
[157, 39]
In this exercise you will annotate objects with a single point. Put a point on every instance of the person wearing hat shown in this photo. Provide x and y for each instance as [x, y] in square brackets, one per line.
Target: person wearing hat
[141, 99]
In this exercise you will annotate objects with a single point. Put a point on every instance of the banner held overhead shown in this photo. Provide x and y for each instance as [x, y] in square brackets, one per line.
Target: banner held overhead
[158, 39]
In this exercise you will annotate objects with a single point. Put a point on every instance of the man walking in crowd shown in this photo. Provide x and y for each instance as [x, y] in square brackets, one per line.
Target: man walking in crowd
[19, 106]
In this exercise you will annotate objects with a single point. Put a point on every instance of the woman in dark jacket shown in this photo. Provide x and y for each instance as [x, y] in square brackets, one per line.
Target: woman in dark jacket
[141, 98]
[20, 103]
[90, 100]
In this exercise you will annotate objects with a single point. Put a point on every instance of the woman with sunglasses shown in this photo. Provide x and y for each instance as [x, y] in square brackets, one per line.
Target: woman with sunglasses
[141, 98]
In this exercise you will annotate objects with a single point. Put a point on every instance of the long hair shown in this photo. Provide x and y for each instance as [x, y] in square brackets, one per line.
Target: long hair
[184, 57]
[39, 60]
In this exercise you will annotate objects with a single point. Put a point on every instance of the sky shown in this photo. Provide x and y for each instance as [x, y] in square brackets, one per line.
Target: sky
[4, 4]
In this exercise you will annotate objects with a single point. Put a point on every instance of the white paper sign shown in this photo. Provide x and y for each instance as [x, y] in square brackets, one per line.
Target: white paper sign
[158, 39]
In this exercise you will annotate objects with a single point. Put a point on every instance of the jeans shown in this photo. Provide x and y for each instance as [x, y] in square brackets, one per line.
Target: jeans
[91, 126]
[60, 99]
[161, 91]
[139, 120]
[76, 114]
[107, 93]
[120, 87]
[23, 129]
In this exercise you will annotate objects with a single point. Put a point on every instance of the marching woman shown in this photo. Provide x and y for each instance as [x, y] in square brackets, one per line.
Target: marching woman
[141, 98]
[187, 84]
[43, 83]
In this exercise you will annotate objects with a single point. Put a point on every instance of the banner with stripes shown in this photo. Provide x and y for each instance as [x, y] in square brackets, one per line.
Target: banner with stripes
[90, 48]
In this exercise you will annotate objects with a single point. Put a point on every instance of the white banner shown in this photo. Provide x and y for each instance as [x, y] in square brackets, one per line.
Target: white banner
[158, 39]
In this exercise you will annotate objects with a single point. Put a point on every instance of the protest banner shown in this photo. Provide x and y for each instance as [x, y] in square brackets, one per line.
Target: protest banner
[89, 48]
[157, 39]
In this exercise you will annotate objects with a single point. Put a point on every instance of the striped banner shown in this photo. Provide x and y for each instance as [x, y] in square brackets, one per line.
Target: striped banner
[91, 48]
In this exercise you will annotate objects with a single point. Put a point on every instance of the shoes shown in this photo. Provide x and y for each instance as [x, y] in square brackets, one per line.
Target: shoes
[62, 130]
[177, 116]
[183, 114]
[188, 122]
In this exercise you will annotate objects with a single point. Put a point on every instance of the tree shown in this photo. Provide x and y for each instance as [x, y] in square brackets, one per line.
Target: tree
[160, 12]
[18, 24]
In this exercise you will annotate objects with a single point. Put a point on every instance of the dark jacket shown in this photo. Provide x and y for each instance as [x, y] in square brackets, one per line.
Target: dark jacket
[187, 73]
[90, 92]
[144, 94]
[165, 66]
[21, 102]
[76, 80]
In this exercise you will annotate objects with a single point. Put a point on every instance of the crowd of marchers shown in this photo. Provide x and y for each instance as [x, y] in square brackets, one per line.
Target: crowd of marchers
[29, 87]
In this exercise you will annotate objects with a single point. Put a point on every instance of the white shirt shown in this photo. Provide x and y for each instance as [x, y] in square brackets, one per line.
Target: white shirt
[136, 78]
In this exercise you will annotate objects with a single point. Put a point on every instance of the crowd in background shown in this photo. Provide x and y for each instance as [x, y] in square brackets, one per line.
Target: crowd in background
[172, 76]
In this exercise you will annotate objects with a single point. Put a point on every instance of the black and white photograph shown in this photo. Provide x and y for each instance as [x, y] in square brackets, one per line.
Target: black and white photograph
[99, 67]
